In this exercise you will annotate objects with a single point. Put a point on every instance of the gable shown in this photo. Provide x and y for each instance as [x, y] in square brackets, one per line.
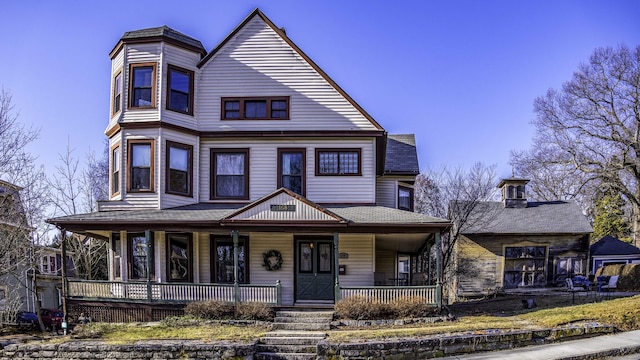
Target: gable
[283, 205]
[259, 60]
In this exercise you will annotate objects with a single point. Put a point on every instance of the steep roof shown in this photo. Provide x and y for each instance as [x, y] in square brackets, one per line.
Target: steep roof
[401, 155]
[161, 33]
[553, 217]
[609, 245]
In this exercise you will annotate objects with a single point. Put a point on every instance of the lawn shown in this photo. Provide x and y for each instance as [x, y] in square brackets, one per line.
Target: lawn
[502, 313]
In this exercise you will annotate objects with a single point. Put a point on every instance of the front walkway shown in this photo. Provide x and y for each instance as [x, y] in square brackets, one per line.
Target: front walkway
[624, 343]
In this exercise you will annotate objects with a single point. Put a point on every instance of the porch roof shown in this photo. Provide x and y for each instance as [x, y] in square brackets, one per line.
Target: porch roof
[206, 216]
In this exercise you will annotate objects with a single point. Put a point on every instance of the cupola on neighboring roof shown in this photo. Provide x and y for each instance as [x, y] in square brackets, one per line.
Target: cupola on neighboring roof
[513, 192]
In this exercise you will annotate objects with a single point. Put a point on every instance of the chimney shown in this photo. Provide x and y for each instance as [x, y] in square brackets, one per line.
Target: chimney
[513, 192]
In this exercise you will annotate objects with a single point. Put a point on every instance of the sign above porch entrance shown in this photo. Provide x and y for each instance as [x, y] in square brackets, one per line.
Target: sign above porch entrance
[284, 205]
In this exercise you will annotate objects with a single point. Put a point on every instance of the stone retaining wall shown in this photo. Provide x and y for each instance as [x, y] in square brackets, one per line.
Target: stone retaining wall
[419, 348]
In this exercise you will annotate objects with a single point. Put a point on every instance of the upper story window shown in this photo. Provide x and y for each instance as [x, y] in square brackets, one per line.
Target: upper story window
[48, 264]
[291, 170]
[180, 90]
[141, 155]
[230, 174]
[115, 170]
[338, 162]
[405, 198]
[117, 92]
[179, 179]
[142, 86]
[271, 108]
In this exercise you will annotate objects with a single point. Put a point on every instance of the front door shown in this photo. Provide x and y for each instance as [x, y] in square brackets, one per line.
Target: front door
[314, 269]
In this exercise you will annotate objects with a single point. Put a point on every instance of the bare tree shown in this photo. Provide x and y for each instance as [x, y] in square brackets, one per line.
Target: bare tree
[22, 208]
[455, 194]
[74, 191]
[592, 125]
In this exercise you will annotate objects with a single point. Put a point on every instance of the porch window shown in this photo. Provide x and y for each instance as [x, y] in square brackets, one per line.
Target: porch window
[524, 266]
[291, 170]
[141, 255]
[116, 248]
[179, 169]
[229, 173]
[180, 90]
[179, 257]
[222, 260]
[142, 85]
[405, 198]
[115, 170]
[345, 162]
[141, 159]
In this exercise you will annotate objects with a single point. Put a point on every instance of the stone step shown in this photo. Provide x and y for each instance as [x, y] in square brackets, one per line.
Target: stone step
[306, 314]
[298, 340]
[283, 356]
[292, 334]
[289, 319]
[301, 326]
[287, 349]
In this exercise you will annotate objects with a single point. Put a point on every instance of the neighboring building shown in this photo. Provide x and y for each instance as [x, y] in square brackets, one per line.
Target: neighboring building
[520, 244]
[609, 251]
[25, 259]
[248, 163]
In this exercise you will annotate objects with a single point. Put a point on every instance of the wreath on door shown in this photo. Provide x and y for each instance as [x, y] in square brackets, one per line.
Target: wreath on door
[272, 260]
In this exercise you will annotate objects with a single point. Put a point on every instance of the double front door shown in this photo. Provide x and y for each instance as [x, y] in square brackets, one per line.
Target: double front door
[314, 269]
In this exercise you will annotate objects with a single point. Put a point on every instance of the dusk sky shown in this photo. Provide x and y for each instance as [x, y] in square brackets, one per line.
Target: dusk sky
[461, 75]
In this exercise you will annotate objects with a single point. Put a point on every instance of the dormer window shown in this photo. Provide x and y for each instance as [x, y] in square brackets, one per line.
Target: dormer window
[272, 108]
[142, 85]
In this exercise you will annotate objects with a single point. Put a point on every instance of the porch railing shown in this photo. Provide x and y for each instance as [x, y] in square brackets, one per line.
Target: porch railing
[386, 294]
[173, 292]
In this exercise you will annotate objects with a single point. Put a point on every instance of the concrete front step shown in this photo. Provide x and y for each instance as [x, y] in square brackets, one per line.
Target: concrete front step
[305, 314]
[293, 334]
[301, 326]
[283, 356]
[291, 319]
[298, 340]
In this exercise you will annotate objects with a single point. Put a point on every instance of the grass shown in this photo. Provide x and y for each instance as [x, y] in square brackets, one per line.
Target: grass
[502, 313]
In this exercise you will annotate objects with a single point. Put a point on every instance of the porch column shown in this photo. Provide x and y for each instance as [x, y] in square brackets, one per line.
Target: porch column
[147, 235]
[336, 266]
[65, 284]
[236, 292]
[438, 270]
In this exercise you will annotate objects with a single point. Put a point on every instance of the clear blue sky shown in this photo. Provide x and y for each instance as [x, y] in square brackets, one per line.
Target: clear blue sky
[461, 75]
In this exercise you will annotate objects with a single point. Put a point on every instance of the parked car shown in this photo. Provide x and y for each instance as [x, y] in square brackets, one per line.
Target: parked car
[51, 318]
[27, 319]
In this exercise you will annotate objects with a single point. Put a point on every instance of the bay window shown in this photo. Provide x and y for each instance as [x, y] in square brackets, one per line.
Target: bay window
[141, 159]
[142, 85]
[180, 90]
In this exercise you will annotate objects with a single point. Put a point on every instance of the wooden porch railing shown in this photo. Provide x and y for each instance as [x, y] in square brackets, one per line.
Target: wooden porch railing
[386, 294]
[173, 292]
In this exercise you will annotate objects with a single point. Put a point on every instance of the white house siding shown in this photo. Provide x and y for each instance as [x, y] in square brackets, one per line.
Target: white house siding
[184, 59]
[260, 243]
[170, 200]
[258, 62]
[204, 256]
[321, 189]
[142, 53]
[386, 263]
[386, 192]
[142, 199]
[360, 261]
[117, 64]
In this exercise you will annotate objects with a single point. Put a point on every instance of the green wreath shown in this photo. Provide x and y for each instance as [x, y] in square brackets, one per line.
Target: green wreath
[272, 260]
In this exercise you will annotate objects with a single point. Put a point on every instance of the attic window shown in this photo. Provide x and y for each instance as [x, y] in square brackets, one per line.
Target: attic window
[520, 192]
[271, 108]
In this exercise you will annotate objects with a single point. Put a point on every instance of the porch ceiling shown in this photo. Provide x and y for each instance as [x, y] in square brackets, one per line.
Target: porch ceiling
[406, 243]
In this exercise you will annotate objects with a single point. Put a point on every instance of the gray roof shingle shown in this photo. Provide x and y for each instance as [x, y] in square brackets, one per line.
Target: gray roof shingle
[609, 245]
[553, 217]
[163, 31]
[401, 156]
